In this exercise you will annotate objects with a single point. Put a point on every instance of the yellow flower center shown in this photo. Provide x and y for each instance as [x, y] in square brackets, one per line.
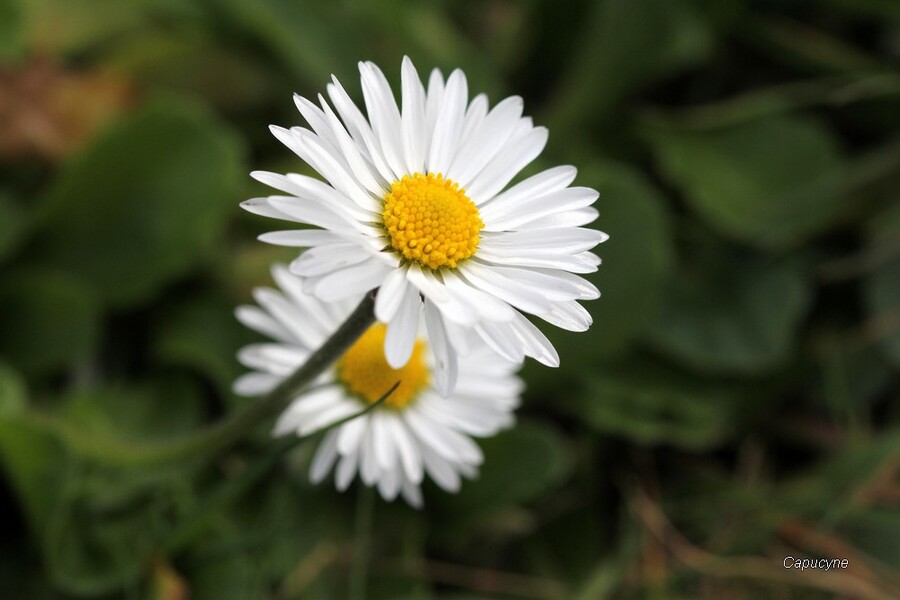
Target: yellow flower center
[366, 373]
[431, 221]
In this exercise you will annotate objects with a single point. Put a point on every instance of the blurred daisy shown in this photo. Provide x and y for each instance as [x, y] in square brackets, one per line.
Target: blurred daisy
[415, 432]
[415, 202]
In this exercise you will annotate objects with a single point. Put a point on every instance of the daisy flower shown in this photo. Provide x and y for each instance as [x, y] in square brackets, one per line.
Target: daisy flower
[414, 200]
[413, 433]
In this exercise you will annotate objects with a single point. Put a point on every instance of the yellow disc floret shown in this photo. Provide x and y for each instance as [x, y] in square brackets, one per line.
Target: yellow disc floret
[366, 373]
[431, 221]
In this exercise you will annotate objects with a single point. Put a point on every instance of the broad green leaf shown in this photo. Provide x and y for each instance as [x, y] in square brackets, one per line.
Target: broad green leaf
[882, 286]
[49, 320]
[145, 203]
[655, 404]
[732, 314]
[772, 182]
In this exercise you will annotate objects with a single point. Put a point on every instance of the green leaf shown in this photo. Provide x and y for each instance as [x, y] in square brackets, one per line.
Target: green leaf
[161, 408]
[876, 532]
[626, 44]
[202, 334]
[34, 464]
[519, 466]
[97, 543]
[10, 29]
[655, 404]
[772, 182]
[49, 320]
[12, 391]
[12, 221]
[145, 203]
[733, 314]
[882, 287]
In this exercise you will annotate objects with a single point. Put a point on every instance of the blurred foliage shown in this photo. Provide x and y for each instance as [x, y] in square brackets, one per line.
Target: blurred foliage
[734, 403]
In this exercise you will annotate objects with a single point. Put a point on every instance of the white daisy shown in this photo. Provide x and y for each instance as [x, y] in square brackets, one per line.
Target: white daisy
[415, 202]
[415, 432]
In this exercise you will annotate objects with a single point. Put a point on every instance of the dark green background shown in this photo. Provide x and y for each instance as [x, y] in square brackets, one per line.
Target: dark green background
[734, 402]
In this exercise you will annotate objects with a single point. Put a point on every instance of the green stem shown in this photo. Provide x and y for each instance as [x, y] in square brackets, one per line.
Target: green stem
[359, 573]
[211, 440]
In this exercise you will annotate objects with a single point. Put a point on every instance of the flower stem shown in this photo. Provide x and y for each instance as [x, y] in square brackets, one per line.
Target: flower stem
[359, 570]
[209, 441]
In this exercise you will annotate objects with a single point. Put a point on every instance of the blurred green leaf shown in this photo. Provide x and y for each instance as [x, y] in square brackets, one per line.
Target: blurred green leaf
[655, 404]
[227, 578]
[193, 62]
[10, 29]
[164, 407]
[625, 44]
[306, 37]
[202, 334]
[520, 465]
[95, 548]
[34, 465]
[882, 286]
[735, 316]
[772, 182]
[144, 204]
[12, 391]
[49, 320]
[876, 532]
[12, 224]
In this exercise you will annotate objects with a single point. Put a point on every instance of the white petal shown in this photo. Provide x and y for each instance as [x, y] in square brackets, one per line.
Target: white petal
[351, 435]
[359, 128]
[543, 183]
[441, 471]
[327, 258]
[501, 216]
[412, 494]
[451, 306]
[407, 448]
[572, 218]
[325, 458]
[509, 290]
[390, 295]
[401, 330]
[256, 384]
[300, 238]
[348, 282]
[502, 168]
[260, 321]
[383, 114]
[486, 141]
[368, 468]
[446, 366]
[346, 469]
[448, 124]
[412, 123]
[389, 483]
[385, 450]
